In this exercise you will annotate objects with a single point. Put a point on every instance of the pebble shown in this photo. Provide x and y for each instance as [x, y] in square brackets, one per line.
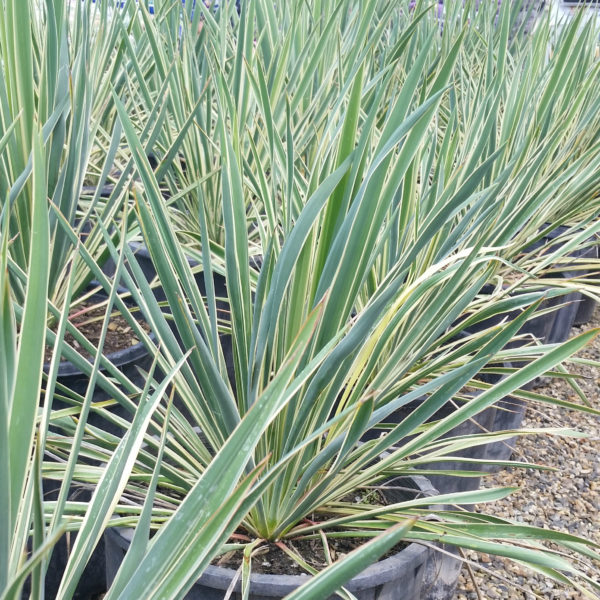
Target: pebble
[567, 499]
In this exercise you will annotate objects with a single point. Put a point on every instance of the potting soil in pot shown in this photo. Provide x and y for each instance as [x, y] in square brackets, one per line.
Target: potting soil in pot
[417, 572]
[88, 319]
[271, 559]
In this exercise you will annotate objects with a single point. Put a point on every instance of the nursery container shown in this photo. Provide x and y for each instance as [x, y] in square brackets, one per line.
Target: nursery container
[552, 327]
[587, 305]
[92, 583]
[555, 326]
[566, 314]
[416, 572]
[565, 318]
[446, 484]
[575, 309]
[585, 310]
[538, 327]
[509, 415]
[483, 422]
[128, 360]
[144, 260]
[142, 255]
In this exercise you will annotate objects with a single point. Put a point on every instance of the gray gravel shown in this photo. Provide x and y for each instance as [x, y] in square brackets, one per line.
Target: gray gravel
[567, 499]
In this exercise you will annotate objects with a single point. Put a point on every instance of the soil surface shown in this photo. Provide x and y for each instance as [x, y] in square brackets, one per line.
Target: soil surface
[88, 317]
[271, 559]
[274, 561]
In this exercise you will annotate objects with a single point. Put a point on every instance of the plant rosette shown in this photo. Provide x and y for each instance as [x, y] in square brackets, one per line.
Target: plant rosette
[420, 571]
[297, 347]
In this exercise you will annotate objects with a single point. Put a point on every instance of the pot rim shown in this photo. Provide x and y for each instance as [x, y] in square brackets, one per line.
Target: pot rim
[119, 358]
[383, 571]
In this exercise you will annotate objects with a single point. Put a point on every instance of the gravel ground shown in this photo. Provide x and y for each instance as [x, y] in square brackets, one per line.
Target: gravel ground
[567, 499]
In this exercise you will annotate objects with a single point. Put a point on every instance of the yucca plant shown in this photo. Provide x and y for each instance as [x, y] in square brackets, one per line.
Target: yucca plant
[59, 70]
[488, 99]
[541, 118]
[30, 524]
[510, 111]
[21, 374]
[355, 313]
[27, 397]
[325, 347]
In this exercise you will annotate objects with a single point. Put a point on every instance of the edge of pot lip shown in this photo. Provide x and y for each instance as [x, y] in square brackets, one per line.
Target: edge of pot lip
[139, 248]
[384, 570]
[118, 359]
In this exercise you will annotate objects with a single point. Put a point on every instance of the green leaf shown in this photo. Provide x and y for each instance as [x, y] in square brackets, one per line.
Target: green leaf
[339, 573]
[23, 405]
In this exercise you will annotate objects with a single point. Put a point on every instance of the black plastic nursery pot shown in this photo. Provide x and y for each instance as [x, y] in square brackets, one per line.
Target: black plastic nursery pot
[585, 311]
[144, 260]
[587, 305]
[554, 326]
[565, 318]
[142, 255]
[538, 327]
[570, 304]
[566, 315]
[542, 328]
[510, 413]
[449, 484]
[416, 572]
[480, 423]
[92, 583]
[128, 360]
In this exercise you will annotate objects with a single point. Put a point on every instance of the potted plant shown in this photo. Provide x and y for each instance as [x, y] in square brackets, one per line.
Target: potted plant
[28, 542]
[313, 460]
[324, 348]
[57, 77]
[320, 360]
[63, 90]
